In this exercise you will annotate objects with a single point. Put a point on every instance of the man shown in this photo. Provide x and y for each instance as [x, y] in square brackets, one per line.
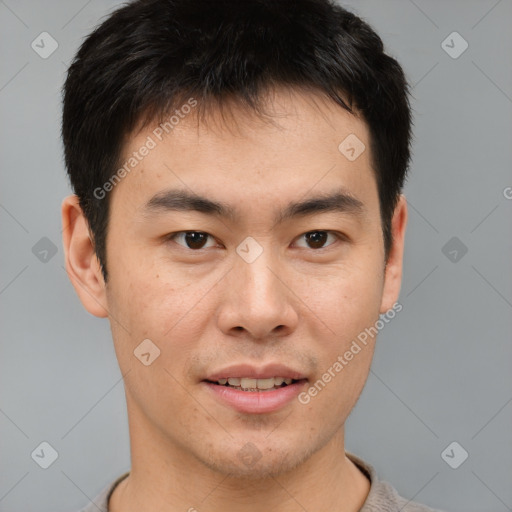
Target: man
[238, 217]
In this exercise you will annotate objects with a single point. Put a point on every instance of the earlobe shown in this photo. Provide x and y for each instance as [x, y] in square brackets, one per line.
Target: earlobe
[82, 265]
[394, 267]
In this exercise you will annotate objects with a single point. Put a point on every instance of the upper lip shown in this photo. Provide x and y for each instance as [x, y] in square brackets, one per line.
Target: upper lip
[256, 372]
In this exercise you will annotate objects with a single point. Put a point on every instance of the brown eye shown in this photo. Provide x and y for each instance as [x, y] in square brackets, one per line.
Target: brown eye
[317, 239]
[193, 239]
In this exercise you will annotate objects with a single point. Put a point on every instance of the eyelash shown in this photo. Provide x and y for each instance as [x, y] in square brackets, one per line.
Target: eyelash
[339, 236]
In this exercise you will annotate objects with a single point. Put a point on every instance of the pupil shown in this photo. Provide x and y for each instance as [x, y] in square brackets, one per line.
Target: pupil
[317, 238]
[194, 239]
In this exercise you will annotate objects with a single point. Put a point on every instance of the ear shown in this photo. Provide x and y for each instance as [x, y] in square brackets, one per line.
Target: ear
[393, 271]
[82, 264]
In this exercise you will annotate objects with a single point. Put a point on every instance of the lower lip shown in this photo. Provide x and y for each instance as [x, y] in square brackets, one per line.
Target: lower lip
[256, 402]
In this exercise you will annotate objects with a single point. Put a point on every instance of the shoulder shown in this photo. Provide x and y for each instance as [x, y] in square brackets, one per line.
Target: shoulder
[383, 497]
[100, 502]
[387, 499]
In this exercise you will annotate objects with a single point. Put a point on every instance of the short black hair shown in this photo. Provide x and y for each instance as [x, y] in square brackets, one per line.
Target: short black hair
[149, 56]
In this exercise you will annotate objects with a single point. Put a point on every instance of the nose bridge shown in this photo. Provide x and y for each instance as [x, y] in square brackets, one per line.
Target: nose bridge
[260, 283]
[258, 301]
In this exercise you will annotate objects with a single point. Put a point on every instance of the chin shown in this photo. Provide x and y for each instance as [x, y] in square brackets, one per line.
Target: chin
[256, 460]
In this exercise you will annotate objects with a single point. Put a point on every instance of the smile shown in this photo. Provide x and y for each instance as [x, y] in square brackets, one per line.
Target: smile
[250, 384]
[255, 396]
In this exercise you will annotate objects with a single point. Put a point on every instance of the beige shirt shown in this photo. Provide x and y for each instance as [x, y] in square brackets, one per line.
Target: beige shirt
[381, 498]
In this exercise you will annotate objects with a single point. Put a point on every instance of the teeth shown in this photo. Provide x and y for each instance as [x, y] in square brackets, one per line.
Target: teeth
[262, 383]
[248, 383]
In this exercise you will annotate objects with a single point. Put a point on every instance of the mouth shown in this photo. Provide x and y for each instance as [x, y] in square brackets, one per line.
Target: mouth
[255, 396]
[255, 385]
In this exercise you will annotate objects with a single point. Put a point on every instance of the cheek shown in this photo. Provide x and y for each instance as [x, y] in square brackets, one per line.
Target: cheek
[347, 299]
[139, 288]
[346, 351]
[170, 309]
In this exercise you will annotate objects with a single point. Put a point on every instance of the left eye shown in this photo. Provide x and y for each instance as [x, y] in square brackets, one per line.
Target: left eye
[192, 239]
[317, 239]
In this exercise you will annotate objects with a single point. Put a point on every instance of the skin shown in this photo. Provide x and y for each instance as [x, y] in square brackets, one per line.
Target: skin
[209, 309]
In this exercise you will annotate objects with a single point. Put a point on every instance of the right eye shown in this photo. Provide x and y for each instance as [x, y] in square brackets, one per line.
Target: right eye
[194, 240]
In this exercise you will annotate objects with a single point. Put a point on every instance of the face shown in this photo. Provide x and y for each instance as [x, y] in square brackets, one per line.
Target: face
[248, 287]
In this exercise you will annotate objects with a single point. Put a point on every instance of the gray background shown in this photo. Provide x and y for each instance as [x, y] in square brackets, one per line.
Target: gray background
[441, 371]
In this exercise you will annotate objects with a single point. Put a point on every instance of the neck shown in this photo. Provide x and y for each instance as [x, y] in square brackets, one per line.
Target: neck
[165, 478]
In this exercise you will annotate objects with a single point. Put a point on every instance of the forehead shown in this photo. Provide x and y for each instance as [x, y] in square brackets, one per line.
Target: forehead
[235, 154]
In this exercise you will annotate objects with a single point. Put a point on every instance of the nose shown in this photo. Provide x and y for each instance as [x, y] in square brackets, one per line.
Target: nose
[258, 300]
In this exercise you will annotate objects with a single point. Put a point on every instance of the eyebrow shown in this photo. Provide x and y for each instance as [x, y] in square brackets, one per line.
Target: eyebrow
[181, 200]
